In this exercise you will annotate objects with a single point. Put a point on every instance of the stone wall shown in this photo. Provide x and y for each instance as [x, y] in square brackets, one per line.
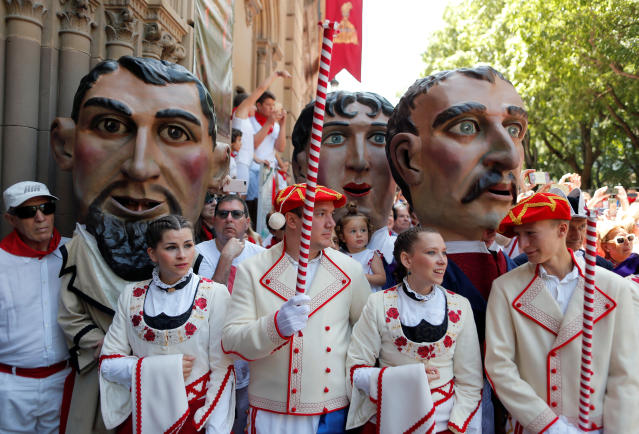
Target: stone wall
[48, 45]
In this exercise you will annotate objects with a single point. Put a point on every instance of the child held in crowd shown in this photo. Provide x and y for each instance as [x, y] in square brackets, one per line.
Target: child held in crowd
[354, 230]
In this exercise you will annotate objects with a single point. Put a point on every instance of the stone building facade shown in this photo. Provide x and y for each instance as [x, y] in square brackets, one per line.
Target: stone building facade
[48, 45]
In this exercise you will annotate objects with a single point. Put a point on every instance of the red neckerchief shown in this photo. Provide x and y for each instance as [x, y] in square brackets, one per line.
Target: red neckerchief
[251, 240]
[207, 233]
[261, 119]
[13, 244]
[272, 242]
[234, 154]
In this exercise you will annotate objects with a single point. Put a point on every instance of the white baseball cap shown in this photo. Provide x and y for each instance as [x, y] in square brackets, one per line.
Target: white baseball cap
[21, 192]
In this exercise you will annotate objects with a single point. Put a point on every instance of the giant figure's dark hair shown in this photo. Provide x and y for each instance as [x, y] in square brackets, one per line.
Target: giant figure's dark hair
[151, 71]
[336, 102]
[401, 121]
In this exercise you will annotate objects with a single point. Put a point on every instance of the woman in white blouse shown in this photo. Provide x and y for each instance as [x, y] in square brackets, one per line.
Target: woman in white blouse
[162, 361]
[429, 334]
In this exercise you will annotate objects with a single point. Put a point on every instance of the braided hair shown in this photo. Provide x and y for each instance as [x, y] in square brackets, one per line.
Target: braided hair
[157, 227]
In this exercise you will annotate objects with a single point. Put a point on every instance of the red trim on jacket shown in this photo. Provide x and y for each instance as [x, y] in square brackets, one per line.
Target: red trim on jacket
[549, 425]
[178, 423]
[379, 400]
[277, 329]
[348, 282]
[354, 367]
[138, 395]
[269, 270]
[463, 428]
[198, 425]
[109, 356]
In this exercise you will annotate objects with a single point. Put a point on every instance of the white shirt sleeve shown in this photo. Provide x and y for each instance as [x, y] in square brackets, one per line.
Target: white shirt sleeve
[118, 370]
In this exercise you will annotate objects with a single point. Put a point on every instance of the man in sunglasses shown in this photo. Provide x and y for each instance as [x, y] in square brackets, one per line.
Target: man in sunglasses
[221, 256]
[33, 352]
[534, 324]
[228, 249]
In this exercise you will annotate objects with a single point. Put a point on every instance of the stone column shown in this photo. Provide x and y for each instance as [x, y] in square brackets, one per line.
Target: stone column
[76, 18]
[24, 21]
[121, 33]
[151, 44]
[261, 69]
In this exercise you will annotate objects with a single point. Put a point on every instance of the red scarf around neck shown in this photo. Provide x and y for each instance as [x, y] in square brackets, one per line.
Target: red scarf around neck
[13, 244]
[207, 232]
[261, 119]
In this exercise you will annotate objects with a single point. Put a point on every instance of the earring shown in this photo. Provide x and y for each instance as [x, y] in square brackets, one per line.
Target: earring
[408, 273]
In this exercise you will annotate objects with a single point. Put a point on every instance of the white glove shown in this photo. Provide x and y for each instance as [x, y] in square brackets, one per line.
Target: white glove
[562, 426]
[362, 378]
[293, 315]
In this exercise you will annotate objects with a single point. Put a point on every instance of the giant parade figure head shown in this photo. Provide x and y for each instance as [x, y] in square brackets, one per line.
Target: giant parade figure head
[140, 144]
[352, 158]
[454, 146]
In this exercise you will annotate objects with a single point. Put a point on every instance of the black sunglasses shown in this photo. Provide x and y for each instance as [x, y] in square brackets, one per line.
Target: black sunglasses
[236, 214]
[29, 211]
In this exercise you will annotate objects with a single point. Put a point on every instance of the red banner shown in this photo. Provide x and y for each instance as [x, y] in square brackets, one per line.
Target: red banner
[347, 44]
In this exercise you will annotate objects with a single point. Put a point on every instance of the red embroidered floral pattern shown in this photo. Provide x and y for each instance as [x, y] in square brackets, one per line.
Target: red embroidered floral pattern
[201, 303]
[149, 335]
[426, 352]
[400, 342]
[454, 316]
[196, 321]
[448, 341]
[189, 328]
[392, 313]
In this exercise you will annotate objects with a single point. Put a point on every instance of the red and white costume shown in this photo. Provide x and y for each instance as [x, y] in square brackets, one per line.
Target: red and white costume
[294, 380]
[33, 352]
[379, 335]
[533, 350]
[141, 366]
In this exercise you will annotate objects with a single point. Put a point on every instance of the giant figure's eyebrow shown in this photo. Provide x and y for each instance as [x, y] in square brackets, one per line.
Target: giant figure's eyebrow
[109, 103]
[456, 110]
[379, 124]
[177, 113]
[516, 110]
[336, 123]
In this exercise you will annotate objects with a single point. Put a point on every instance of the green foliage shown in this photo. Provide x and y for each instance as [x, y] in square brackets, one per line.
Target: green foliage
[574, 62]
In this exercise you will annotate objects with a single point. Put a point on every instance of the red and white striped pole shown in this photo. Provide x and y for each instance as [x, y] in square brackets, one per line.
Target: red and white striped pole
[586, 337]
[314, 152]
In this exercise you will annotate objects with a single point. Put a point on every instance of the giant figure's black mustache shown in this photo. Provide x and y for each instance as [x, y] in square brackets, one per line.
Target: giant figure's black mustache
[487, 180]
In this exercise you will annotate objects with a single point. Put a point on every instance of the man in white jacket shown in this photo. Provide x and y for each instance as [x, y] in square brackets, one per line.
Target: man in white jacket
[534, 325]
[296, 344]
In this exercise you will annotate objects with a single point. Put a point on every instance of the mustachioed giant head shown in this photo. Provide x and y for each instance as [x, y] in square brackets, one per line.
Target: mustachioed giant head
[454, 145]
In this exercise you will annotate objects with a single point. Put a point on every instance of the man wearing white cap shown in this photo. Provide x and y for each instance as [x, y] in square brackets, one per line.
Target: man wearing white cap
[33, 352]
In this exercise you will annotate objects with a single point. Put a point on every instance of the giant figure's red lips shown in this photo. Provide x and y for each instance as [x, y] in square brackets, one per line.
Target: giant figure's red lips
[356, 190]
